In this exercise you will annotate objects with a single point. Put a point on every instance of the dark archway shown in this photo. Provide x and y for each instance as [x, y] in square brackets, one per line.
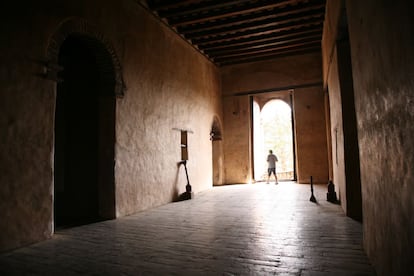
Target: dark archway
[84, 185]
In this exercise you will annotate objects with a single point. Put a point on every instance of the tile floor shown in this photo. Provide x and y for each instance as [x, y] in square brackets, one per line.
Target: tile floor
[256, 229]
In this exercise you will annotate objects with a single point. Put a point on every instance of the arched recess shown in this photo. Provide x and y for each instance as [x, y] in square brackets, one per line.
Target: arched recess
[103, 50]
[217, 151]
[89, 78]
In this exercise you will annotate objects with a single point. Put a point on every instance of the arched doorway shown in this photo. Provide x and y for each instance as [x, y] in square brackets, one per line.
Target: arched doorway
[84, 188]
[273, 130]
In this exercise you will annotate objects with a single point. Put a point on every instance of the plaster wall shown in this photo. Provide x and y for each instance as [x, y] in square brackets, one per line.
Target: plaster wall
[169, 85]
[218, 169]
[240, 81]
[333, 11]
[337, 131]
[381, 36]
[271, 74]
[310, 127]
[237, 143]
[339, 83]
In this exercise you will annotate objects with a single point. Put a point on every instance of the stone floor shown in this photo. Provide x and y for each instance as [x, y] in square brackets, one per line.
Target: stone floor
[257, 229]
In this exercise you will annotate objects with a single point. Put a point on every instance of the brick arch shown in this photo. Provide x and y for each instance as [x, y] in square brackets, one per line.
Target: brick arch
[108, 62]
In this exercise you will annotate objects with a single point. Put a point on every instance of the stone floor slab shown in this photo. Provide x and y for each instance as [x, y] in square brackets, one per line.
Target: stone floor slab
[256, 229]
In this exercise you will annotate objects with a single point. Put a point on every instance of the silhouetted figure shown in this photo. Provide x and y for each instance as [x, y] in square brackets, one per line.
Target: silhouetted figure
[271, 167]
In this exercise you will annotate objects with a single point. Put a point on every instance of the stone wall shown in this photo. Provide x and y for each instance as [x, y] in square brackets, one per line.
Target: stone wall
[339, 85]
[168, 85]
[333, 87]
[310, 128]
[236, 143]
[300, 73]
[382, 42]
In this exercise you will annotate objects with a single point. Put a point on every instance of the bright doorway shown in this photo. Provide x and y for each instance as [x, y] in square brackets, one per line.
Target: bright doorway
[273, 130]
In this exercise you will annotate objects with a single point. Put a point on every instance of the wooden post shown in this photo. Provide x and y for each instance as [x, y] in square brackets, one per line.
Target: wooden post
[312, 198]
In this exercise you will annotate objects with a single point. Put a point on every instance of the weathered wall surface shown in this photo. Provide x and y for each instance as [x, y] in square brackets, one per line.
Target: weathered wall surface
[238, 80]
[331, 80]
[282, 72]
[236, 144]
[330, 32]
[26, 130]
[311, 149]
[337, 133]
[337, 67]
[169, 85]
[382, 42]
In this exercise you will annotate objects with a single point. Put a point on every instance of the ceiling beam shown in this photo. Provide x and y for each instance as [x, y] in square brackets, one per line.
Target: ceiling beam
[250, 18]
[244, 53]
[257, 33]
[256, 25]
[263, 39]
[263, 56]
[238, 31]
[233, 12]
[311, 38]
[201, 8]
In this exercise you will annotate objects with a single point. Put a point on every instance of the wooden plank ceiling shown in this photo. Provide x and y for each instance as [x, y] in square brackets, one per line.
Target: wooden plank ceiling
[232, 32]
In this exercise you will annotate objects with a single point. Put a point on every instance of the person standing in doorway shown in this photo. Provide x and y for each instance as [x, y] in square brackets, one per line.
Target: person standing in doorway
[271, 167]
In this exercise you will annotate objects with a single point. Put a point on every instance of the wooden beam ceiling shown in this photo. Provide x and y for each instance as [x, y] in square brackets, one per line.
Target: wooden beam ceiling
[231, 32]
